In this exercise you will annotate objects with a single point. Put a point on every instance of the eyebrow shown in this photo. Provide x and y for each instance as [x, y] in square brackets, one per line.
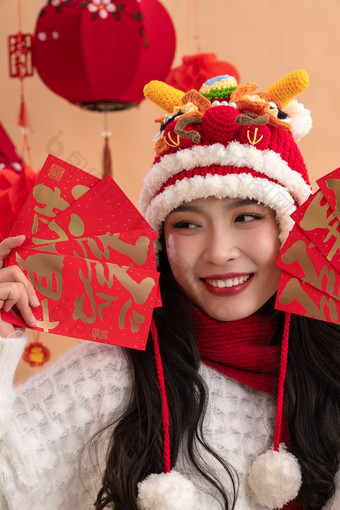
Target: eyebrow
[187, 207]
[241, 203]
[232, 205]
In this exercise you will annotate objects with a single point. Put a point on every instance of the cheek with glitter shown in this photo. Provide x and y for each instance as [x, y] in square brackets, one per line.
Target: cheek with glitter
[171, 248]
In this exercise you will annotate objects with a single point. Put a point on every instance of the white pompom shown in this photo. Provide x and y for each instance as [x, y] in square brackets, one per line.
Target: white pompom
[167, 491]
[275, 478]
[300, 119]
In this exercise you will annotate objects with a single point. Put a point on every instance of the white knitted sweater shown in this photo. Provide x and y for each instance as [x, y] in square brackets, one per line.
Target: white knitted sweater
[45, 424]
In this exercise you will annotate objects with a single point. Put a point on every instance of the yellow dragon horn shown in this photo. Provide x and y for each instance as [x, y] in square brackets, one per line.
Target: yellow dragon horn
[290, 86]
[163, 95]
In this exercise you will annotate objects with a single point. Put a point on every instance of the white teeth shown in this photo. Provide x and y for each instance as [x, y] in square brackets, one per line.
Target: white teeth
[231, 282]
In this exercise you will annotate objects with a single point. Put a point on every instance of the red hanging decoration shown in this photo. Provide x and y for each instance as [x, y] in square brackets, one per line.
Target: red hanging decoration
[197, 69]
[16, 179]
[99, 54]
[21, 66]
[107, 160]
[36, 354]
[20, 55]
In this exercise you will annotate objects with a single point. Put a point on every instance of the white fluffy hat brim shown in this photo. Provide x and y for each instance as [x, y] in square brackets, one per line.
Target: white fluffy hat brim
[282, 187]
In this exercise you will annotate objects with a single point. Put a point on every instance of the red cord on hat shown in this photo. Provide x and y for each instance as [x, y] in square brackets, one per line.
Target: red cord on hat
[282, 376]
[165, 411]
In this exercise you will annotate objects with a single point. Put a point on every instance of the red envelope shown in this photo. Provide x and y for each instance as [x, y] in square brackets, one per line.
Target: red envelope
[330, 187]
[89, 254]
[98, 221]
[134, 246]
[302, 259]
[89, 299]
[310, 258]
[104, 209]
[57, 186]
[317, 220]
[302, 299]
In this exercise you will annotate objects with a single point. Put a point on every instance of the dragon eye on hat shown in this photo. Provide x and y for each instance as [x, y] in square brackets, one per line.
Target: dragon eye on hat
[280, 113]
[168, 119]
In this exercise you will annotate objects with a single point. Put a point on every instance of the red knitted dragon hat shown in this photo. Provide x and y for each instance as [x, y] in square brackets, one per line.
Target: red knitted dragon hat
[229, 141]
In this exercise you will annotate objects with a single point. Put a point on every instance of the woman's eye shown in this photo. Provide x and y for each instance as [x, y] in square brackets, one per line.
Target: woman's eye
[184, 224]
[245, 218]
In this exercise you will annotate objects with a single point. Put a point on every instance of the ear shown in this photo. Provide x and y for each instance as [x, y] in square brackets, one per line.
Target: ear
[202, 103]
[243, 90]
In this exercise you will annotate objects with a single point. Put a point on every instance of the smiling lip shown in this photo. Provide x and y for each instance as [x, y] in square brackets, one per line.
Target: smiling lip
[228, 284]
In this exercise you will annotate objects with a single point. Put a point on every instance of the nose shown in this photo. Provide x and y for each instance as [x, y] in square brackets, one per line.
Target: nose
[222, 246]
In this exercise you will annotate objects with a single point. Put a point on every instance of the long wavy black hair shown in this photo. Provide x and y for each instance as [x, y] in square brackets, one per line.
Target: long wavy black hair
[312, 408]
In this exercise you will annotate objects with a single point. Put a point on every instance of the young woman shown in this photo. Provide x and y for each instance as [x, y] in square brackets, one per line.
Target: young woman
[92, 429]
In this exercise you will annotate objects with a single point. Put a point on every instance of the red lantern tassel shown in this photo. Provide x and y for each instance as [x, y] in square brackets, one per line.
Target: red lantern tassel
[23, 117]
[107, 160]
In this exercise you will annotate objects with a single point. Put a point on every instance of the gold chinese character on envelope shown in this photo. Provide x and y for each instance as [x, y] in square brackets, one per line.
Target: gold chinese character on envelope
[89, 254]
[310, 258]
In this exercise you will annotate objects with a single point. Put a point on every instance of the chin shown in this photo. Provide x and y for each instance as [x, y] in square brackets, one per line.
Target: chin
[226, 315]
[229, 313]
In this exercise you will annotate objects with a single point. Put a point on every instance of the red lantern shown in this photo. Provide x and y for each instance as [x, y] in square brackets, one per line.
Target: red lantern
[197, 69]
[99, 54]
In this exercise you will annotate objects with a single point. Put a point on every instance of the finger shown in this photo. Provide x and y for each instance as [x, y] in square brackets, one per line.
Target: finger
[8, 244]
[15, 274]
[14, 294]
[6, 329]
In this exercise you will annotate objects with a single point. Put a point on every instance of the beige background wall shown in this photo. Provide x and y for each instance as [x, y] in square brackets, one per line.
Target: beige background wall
[264, 40]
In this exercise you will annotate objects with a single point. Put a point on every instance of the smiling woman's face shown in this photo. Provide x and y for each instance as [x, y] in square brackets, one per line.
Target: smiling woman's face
[222, 254]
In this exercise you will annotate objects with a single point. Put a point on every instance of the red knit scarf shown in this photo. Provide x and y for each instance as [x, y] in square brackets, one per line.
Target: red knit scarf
[239, 350]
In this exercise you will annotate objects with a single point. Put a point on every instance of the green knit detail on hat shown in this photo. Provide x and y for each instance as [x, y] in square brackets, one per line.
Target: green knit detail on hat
[219, 93]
